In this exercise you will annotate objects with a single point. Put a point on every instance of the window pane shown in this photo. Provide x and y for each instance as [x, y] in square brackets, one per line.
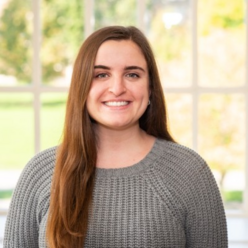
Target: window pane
[16, 130]
[114, 12]
[222, 141]
[180, 110]
[52, 118]
[168, 29]
[15, 42]
[63, 33]
[221, 42]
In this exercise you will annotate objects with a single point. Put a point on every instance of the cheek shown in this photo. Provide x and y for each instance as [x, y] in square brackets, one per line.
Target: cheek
[96, 90]
[91, 108]
[93, 94]
[93, 99]
[90, 102]
[142, 92]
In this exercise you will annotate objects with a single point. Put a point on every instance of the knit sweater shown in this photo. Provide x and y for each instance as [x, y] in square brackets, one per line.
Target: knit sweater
[169, 199]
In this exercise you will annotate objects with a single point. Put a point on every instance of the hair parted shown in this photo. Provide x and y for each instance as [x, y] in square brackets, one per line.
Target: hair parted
[73, 179]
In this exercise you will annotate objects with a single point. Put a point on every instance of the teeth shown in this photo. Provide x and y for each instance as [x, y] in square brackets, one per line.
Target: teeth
[122, 103]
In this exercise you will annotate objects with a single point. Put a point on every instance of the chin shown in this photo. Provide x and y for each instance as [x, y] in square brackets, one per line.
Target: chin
[117, 125]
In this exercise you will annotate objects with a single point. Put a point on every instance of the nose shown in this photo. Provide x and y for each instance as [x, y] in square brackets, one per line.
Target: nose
[117, 86]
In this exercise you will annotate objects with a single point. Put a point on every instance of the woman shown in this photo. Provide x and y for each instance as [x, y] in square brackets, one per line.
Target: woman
[118, 178]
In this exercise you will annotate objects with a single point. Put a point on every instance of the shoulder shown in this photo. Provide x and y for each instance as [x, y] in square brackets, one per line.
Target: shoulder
[177, 165]
[35, 179]
[178, 156]
[45, 157]
[41, 162]
[182, 170]
[181, 173]
[39, 169]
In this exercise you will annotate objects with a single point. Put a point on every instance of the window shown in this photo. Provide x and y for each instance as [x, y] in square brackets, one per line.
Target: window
[201, 49]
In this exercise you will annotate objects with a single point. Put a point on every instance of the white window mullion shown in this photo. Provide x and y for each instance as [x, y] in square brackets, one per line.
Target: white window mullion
[245, 194]
[205, 90]
[141, 7]
[195, 92]
[17, 89]
[89, 18]
[36, 72]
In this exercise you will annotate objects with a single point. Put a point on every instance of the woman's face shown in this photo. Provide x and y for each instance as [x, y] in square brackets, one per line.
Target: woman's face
[119, 92]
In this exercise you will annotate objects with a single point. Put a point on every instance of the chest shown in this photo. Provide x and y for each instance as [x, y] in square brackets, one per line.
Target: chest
[130, 215]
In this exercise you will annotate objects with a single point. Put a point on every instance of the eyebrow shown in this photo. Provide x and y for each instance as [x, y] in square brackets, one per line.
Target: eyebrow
[132, 67]
[101, 67]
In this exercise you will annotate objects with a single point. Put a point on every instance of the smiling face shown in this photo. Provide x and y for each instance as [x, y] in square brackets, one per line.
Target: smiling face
[119, 92]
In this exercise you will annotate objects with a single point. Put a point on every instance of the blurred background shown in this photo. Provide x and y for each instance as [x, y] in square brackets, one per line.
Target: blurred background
[201, 47]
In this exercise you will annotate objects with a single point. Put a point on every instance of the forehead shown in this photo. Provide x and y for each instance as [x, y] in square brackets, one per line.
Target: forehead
[125, 51]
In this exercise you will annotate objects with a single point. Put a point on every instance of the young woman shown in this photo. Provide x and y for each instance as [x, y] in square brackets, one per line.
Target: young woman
[118, 179]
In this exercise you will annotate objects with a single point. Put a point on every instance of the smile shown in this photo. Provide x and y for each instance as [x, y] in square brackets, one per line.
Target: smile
[121, 103]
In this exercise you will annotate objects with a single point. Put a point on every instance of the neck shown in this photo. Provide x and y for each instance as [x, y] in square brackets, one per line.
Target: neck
[121, 148]
[110, 137]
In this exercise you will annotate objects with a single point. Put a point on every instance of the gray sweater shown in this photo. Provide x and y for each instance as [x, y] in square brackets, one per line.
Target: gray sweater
[169, 199]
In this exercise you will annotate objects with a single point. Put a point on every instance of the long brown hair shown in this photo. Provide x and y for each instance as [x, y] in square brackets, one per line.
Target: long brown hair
[73, 179]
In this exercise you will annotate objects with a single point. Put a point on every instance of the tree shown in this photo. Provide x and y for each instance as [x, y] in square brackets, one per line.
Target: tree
[113, 12]
[220, 14]
[15, 35]
[62, 30]
[63, 34]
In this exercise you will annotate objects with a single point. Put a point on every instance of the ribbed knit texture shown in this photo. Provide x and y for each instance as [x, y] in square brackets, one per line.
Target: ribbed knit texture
[169, 199]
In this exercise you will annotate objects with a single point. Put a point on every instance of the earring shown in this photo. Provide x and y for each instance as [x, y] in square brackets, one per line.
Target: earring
[149, 102]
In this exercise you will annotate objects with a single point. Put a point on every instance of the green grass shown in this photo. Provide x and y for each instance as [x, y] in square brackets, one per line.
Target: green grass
[233, 196]
[52, 120]
[6, 194]
[17, 126]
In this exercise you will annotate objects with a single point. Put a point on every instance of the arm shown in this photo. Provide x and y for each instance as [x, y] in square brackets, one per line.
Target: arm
[205, 221]
[28, 200]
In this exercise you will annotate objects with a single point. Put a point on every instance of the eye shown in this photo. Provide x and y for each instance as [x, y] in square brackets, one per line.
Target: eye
[101, 75]
[133, 75]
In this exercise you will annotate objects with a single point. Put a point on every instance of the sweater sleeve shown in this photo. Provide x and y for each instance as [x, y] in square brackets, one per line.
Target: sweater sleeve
[27, 203]
[205, 220]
